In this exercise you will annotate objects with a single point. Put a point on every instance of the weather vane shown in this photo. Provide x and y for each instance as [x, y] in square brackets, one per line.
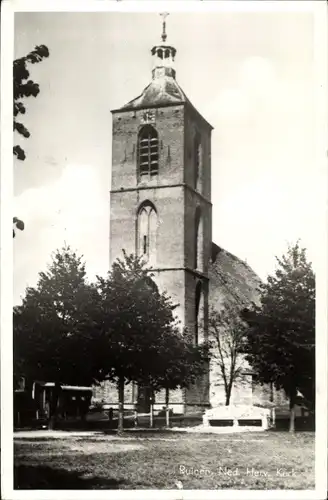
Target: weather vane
[164, 16]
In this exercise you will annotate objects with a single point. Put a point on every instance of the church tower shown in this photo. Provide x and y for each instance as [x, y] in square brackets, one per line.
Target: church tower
[160, 200]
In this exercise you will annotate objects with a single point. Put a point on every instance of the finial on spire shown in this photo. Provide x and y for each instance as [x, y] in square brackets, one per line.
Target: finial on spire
[164, 16]
[163, 55]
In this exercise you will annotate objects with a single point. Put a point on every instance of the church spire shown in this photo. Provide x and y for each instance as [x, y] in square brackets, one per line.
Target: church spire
[164, 16]
[163, 55]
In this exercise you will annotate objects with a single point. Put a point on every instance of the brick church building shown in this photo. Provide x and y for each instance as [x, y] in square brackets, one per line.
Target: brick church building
[161, 208]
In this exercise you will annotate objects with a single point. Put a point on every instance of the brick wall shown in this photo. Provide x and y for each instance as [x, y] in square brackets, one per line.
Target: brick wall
[108, 393]
[169, 123]
[193, 200]
[169, 203]
[195, 124]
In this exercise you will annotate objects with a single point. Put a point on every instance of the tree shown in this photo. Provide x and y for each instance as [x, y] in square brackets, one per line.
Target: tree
[137, 330]
[129, 321]
[51, 342]
[119, 328]
[179, 364]
[24, 87]
[281, 337]
[228, 331]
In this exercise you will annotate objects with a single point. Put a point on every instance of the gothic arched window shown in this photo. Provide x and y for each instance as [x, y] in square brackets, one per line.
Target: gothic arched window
[147, 152]
[147, 232]
[198, 241]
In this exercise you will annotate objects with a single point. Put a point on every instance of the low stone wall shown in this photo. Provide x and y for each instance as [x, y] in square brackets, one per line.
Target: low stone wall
[237, 416]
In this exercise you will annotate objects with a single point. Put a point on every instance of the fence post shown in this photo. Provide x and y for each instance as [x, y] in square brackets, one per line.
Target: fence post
[151, 421]
[273, 416]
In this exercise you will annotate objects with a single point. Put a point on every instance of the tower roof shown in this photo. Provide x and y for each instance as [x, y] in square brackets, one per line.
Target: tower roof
[163, 90]
[160, 92]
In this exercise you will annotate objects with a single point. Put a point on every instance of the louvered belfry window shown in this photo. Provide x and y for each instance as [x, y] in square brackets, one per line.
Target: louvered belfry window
[148, 152]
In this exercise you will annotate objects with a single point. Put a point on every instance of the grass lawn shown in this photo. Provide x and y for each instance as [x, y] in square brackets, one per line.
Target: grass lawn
[144, 460]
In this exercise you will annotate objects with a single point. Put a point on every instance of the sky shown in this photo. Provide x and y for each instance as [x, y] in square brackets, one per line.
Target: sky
[250, 74]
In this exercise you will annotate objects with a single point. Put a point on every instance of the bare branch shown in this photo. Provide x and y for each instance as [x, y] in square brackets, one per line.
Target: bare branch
[228, 331]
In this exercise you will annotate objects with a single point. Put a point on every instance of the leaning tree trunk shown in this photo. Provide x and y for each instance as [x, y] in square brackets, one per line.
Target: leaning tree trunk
[120, 425]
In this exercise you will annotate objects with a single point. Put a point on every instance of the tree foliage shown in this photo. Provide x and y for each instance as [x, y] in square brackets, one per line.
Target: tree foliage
[24, 87]
[179, 362]
[119, 328]
[18, 224]
[130, 317]
[228, 332]
[50, 340]
[138, 326]
[139, 333]
[281, 337]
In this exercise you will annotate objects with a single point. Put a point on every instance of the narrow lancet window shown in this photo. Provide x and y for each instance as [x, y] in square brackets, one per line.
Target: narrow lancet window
[198, 294]
[198, 241]
[197, 162]
[147, 223]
